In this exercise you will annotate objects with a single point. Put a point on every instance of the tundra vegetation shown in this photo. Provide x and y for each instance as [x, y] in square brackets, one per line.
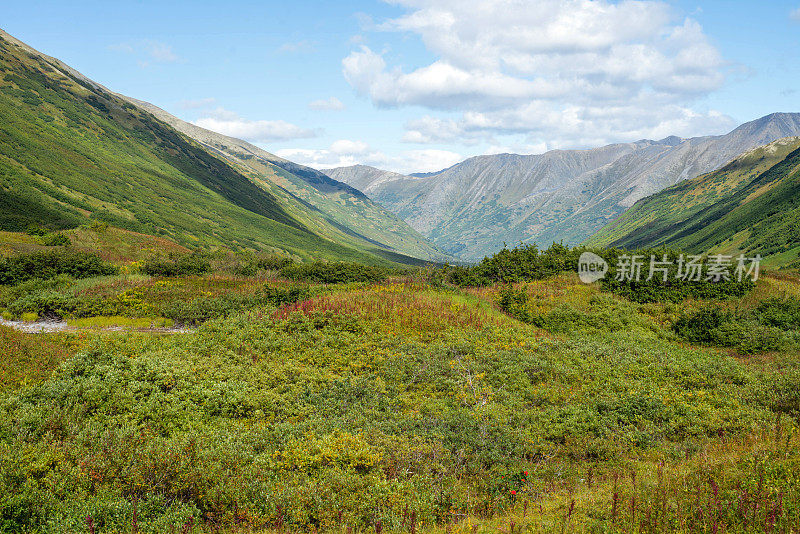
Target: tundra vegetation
[329, 396]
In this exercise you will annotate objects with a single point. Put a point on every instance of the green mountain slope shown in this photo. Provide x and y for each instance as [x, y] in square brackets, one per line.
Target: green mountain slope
[336, 205]
[70, 151]
[751, 205]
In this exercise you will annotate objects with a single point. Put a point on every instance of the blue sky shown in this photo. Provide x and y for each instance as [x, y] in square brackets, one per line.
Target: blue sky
[416, 85]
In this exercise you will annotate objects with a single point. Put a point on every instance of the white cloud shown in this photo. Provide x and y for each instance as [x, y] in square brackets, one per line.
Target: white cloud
[162, 52]
[147, 51]
[795, 15]
[345, 146]
[428, 160]
[345, 152]
[229, 123]
[570, 126]
[330, 104]
[566, 70]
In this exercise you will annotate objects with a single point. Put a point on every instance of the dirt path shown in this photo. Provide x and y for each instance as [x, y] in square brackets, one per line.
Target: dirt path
[45, 327]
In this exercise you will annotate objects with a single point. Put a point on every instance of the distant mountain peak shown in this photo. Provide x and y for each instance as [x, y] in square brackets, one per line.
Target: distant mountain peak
[475, 206]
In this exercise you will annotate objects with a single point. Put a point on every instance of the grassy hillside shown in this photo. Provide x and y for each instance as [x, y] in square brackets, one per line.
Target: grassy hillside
[70, 151]
[750, 205]
[112, 244]
[332, 209]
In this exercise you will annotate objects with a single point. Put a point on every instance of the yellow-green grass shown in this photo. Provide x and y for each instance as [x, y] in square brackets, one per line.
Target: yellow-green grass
[117, 245]
[391, 393]
[406, 307]
[121, 322]
[19, 243]
[656, 493]
[28, 359]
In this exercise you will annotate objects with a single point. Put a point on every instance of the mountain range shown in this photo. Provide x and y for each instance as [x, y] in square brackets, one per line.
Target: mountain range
[471, 209]
[72, 151]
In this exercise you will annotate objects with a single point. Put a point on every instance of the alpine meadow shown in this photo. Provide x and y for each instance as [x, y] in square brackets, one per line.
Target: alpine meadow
[409, 267]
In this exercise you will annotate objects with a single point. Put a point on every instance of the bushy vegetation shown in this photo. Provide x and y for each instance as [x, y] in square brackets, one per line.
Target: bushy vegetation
[252, 265]
[588, 311]
[773, 325]
[56, 240]
[783, 313]
[677, 290]
[46, 265]
[385, 420]
[332, 396]
[527, 263]
[523, 263]
[177, 265]
[186, 302]
[333, 272]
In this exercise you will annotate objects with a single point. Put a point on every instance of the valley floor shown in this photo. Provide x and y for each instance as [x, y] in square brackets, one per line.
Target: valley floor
[395, 406]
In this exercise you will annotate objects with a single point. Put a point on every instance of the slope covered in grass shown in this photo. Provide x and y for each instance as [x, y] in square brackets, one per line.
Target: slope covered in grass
[70, 150]
[751, 205]
[331, 208]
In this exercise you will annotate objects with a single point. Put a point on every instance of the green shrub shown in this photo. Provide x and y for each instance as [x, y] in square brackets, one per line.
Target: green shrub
[761, 338]
[273, 263]
[56, 240]
[46, 265]
[714, 326]
[200, 310]
[279, 295]
[515, 303]
[702, 326]
[524, 263]
[50, 303]
[333, 272]
[780, 313]
[186, 265]
[36, 229]
[676, 291]
[245, 269]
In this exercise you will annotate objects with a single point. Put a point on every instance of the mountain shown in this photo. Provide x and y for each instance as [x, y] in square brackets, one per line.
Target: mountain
[751, 205]
[72, 150]
[472, 208]
[338, 206]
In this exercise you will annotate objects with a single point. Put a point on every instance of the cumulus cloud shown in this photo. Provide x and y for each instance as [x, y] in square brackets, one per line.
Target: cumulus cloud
[570, 70]
[229, 123]
[345, 152]
[148, 51]
[329, 104]
[795, 15]
[571, 125]
[428, 160]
